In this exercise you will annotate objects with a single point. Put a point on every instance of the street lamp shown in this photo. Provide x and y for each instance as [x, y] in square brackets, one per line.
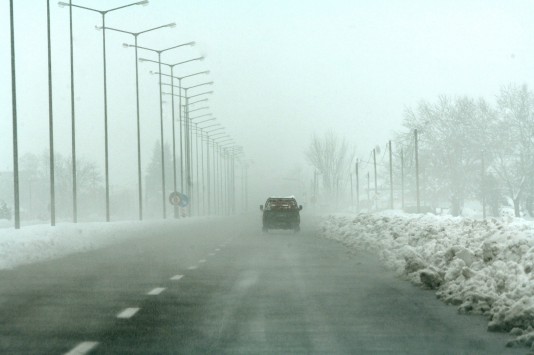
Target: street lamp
[187, 130]
[50, 122]
[103, 27]
[218, 180]
[135, 34]
[176, 214]
[14, 109]
[205, 173]
[210, 135]
[171, 66]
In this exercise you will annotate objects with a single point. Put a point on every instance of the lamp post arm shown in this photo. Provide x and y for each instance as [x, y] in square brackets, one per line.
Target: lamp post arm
[207, 114]
[156, 28]
[178, 46]
[61, 3]
[187, 61]
[122, 7]
[116, 30]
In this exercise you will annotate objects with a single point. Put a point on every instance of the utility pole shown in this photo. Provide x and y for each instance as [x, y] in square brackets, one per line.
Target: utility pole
[390, 177]
[16, 197]
[51, 123]
[417, 170]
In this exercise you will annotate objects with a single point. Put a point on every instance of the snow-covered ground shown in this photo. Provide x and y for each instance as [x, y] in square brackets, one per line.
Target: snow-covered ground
[42, 242]
[481, 266]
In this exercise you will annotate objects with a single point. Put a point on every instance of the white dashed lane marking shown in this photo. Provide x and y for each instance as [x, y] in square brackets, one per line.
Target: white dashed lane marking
[192, 267]
[217, 249]
[83, 348]
[156, 291]
[202, 261]
[211, 254]
[127, 313]
[176, 277]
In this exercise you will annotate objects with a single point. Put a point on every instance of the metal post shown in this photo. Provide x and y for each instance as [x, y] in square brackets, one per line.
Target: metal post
[176, 214]
[73, 124]
[202, 172]
[197, 193]
[417, 170]
[51, 122]
[163, 197]
[208, 174]
[181, 136]
[15, 130]
[139, 176]
[106, 145]
[186, 152]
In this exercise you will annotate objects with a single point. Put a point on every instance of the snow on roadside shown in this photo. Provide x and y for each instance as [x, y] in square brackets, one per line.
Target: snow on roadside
[41, 242]
[482, 266]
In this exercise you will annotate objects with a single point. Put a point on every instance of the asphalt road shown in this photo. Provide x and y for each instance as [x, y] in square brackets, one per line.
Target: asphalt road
[224, 287]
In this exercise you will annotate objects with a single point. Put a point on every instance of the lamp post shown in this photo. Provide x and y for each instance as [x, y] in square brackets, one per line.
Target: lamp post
[103, 14]
[208, 163]
[188, 164]
[203, 175]
[159, 52]
[135, 34]
[222, 177]
[232, 152]
[50, 122]
[180, 110]
[216, 168]
[226, 174]
[15, 127]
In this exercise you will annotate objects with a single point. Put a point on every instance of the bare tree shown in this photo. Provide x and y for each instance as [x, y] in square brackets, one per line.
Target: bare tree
[453, 135]
[332, 158]
[514, 160]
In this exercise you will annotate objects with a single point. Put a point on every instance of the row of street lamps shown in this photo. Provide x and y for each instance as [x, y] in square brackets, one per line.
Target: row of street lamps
[221, 149]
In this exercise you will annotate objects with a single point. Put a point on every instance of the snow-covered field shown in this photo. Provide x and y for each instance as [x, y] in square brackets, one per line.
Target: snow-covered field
[41, 242]
[481, 266]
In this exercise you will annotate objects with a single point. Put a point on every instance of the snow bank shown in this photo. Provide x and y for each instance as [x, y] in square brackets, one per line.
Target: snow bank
[482, 266]
[42, 242]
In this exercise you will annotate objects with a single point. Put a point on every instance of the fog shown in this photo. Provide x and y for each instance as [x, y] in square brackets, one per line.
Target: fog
[283, 71]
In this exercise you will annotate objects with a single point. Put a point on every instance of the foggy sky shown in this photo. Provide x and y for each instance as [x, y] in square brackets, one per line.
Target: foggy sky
[283, 70]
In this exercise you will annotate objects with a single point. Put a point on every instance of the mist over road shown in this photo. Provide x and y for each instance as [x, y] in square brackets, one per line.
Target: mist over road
[222, 286]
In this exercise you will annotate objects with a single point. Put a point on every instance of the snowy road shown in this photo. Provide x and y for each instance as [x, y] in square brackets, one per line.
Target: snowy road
[213, 288]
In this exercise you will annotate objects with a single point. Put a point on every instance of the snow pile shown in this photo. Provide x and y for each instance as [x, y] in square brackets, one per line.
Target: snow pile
[42, 242]
[484, 267]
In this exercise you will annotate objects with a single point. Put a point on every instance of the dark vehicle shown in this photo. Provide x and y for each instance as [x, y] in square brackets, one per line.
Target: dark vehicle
[281, 213]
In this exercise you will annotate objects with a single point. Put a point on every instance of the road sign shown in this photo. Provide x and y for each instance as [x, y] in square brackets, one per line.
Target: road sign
[178, 199]
[174, 198]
